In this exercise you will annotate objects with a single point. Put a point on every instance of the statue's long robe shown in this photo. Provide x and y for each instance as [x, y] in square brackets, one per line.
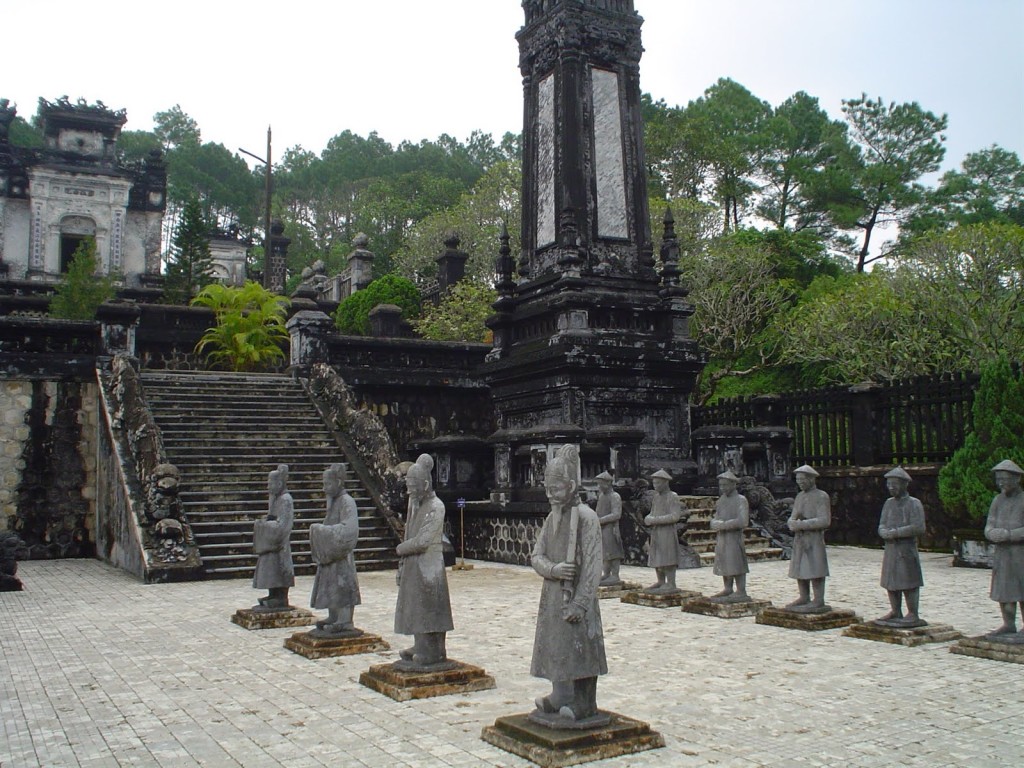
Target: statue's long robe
[812, 512]
[423, 602]
[901, 564]
[272, 543]
[730, 554]
[1007, 557]
[332, 545]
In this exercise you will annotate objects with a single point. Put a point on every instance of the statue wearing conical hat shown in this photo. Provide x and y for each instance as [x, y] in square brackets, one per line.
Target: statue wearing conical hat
[609, 513]
[811, 517]
[902, 521]
[1005, 529]
[731, 518]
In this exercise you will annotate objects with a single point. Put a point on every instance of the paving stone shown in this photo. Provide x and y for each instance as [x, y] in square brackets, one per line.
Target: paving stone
[98, 670]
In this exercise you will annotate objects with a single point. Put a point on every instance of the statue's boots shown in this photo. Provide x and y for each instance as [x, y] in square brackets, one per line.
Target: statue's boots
[561, 695]
[584, 700]
[432, 649]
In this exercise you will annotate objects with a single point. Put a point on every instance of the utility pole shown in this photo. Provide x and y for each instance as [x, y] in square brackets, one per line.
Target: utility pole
[266, 211]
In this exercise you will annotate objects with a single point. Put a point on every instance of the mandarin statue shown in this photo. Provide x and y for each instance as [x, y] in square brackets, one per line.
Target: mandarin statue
[901, 523]
[271, 541]
[332, 545]
[665, 515]
[731, 518]
[568, 646]
[609, 513]
[811, 517]
[1005, 529]
[424, 608]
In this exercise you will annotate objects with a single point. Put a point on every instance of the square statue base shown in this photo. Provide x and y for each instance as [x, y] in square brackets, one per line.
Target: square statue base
[403, 685]
[984, 647]
[312, 647]
[910, 637]
[809, 622]
[247, 618]
[618, 590]
[705, 606]
[553, 748]
[659, 600]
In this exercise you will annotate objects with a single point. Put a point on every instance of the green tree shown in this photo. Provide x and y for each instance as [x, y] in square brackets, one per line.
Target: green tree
[877, 185]
[460, 315]
[190, 266]
[353, 314]
[997, 423]
[81, 291]
[174, 128]
[249, 333]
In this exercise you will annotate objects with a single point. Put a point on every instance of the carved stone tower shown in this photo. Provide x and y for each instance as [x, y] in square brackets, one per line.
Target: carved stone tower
[591, 346]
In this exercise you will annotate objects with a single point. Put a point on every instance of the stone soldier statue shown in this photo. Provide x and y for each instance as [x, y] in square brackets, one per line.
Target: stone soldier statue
[811, 517]
[609, 513]
[1005, 529]
[901, 523]
[568, 647]
[272, 543]
[332, 544]
[663, 555]
[424, 608]
[731, 518]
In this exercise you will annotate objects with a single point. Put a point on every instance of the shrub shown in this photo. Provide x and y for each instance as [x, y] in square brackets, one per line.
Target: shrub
[81, 292]
[966, 482]
[460, 315]
[250, 327]
[353, 314]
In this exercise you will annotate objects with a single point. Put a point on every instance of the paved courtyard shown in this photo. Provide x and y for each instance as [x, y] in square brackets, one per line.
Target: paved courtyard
[100, 670]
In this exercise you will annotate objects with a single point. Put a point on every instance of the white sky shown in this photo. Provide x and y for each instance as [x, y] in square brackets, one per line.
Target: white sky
[411, 69]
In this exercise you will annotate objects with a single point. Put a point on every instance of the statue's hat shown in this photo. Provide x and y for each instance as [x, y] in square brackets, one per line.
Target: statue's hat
[605, 476]
[1008, 466]
[806, 469]
[728, 475]
[900, 473]
[662, 474]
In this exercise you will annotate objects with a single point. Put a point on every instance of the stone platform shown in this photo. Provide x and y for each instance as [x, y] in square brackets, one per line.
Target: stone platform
[809, 622]
[705, 606]
[403, 685]
[984, 647]
[618, 590]
[649, 600]
[553, 748]
[908, 636]
[247, 618]
[314, 646]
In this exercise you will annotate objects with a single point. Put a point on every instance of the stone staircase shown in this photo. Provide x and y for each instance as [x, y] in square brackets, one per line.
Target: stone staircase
[225, 433]
[700, 536]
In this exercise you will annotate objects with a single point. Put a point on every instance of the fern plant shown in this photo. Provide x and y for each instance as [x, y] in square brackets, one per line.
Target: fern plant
[250, 326]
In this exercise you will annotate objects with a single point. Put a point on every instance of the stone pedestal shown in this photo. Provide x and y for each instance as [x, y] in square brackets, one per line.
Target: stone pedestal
[247, 618]
[552, 748]
[403, 685]
[705, 606]
[322, 646]
[909, 636]
[809, 622]
[618, 590]
[984, 647]
[660, 600]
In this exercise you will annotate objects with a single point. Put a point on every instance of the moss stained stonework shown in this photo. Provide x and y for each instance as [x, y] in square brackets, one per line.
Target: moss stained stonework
[15, 400]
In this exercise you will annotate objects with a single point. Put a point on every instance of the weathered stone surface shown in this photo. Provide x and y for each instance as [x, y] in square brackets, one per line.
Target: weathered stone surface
[552, 748]
[312, 647]
[707, 607]
[913, 636]
[809, 622]
[247, 618]
[618, 590]
[650, 600]
[983, 647]
[403, 685]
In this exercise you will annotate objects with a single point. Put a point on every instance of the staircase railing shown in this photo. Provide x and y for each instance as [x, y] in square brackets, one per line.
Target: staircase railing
[140, 523]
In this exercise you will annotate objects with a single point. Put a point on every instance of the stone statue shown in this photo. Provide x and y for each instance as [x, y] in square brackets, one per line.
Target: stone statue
[11, 546]
[609, 512]
[332, 545]
[271, 540]
[901, 523]
[568, 647]
[811, 517]
[1005, 529]
[666, 513]
[424, 608]
[732, 516]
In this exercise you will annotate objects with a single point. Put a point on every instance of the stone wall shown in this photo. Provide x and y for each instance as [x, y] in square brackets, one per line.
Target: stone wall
[15, 400]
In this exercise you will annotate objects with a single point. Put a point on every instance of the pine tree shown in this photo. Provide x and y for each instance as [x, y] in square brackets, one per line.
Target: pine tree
[81, 292]
[966, 481]
[190, 266]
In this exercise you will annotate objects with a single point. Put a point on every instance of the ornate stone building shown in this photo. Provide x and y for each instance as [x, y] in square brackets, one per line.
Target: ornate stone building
[72, 188]
[591, 339]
